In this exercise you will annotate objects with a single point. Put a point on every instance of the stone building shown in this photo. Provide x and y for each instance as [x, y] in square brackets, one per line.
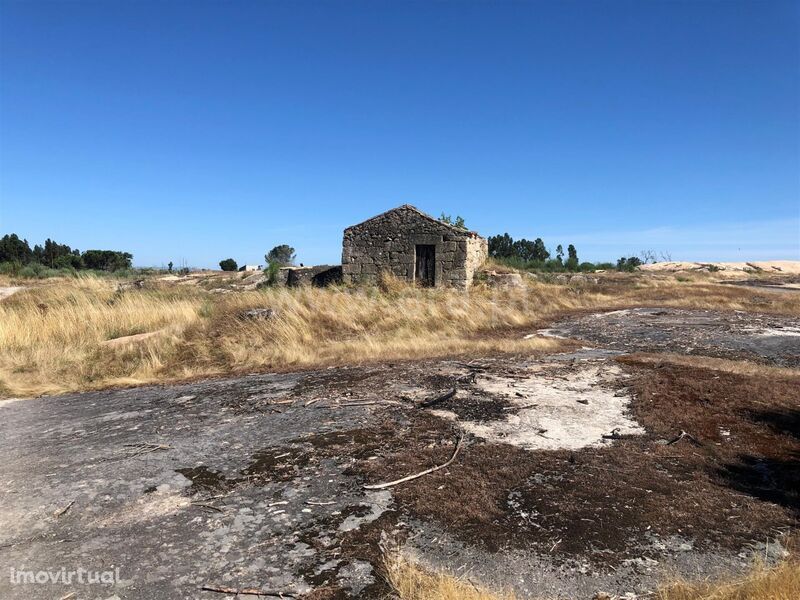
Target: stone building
[413, 246]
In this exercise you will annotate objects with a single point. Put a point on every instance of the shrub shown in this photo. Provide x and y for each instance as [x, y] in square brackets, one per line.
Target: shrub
[628, 264]
[228, 265]
[282, 255]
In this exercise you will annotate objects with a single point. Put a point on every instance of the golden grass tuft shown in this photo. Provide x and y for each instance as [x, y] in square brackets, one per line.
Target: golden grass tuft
[760, 583]
[410, 582]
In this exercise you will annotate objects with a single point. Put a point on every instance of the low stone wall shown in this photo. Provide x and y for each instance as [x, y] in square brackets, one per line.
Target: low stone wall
[319, 275]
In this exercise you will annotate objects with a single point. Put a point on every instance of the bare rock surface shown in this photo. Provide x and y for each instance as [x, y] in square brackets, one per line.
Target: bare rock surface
[768, 339]
[567, 483]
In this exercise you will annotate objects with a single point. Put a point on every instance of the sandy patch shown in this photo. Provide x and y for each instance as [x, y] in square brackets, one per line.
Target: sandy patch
[787, 267]
[9, 401]
[131, 339]
[10, 290]
[560, 406]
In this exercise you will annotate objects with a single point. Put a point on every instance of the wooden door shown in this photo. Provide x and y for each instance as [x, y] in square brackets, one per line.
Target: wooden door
[425, 271]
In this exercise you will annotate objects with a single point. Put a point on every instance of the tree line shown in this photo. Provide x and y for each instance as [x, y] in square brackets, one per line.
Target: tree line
[16, 251]
[534, 255]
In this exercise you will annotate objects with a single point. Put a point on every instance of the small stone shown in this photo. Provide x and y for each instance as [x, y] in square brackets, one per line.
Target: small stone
[259, 313]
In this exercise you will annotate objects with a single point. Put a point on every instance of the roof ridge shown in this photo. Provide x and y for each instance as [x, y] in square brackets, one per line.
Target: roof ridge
[419, 212]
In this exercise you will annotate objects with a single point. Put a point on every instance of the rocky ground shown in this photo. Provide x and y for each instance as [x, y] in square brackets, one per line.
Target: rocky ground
[571, 475]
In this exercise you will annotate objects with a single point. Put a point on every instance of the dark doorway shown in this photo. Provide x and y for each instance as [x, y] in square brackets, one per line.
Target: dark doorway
[426, 266]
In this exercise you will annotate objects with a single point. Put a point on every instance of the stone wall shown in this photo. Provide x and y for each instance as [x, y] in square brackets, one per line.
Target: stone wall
[388, 243]
[320, 275]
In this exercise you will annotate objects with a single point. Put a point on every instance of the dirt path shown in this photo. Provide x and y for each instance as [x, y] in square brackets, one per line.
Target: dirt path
[567, 483]
[6, 291]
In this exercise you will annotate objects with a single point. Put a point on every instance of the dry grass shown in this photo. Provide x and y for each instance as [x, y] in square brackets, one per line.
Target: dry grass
[761, 583]
[410, 582]
[735, 367]
[52, 335]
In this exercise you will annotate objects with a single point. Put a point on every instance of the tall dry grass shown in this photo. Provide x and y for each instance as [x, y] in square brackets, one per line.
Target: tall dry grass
[409, 581]
[760, 583]
[54, 337]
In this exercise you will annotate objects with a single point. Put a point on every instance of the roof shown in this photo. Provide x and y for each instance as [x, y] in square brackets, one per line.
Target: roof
[409, 207]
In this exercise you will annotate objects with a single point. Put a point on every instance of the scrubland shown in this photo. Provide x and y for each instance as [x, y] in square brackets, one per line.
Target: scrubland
[55, 336]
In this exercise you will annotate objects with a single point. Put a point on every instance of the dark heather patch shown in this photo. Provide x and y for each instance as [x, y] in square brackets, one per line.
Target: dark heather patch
[603, 504]
[276, 463]
[206, 480]
[473, 407]
[339, 381]
[362, 543]
[439, 382]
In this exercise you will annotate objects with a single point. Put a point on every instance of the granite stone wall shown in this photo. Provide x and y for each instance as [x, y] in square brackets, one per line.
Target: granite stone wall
[388, 243]
[320, 275]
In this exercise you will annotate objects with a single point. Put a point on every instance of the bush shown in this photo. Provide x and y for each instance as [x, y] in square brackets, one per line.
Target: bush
[10, 267]
[228, 265]
[283, 255]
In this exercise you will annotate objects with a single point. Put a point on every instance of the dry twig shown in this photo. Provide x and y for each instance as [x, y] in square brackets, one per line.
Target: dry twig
[437, 399]
[381, 486]
[246, 591]
[683, 435]
[58, 513]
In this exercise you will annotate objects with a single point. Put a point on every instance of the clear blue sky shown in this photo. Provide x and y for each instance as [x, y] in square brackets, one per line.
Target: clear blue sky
[200, 130]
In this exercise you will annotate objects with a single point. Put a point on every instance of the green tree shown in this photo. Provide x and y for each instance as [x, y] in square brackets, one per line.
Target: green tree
[228, 265]
[169, 266]
[282, 255]
[539, 250]
[501, 246]
[13, 249]
[106, 260]
[559, 253]
[628, 264]
[572, 258]
[53, 253]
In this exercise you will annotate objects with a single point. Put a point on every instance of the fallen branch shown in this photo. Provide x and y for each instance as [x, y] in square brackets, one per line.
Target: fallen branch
[58, 513]
[364, 403]
[683, 435]
[209, 506]
[614, 435]
[381, 486]
[312, 503]
[145, 448]
[437, 399]
[245, 591]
